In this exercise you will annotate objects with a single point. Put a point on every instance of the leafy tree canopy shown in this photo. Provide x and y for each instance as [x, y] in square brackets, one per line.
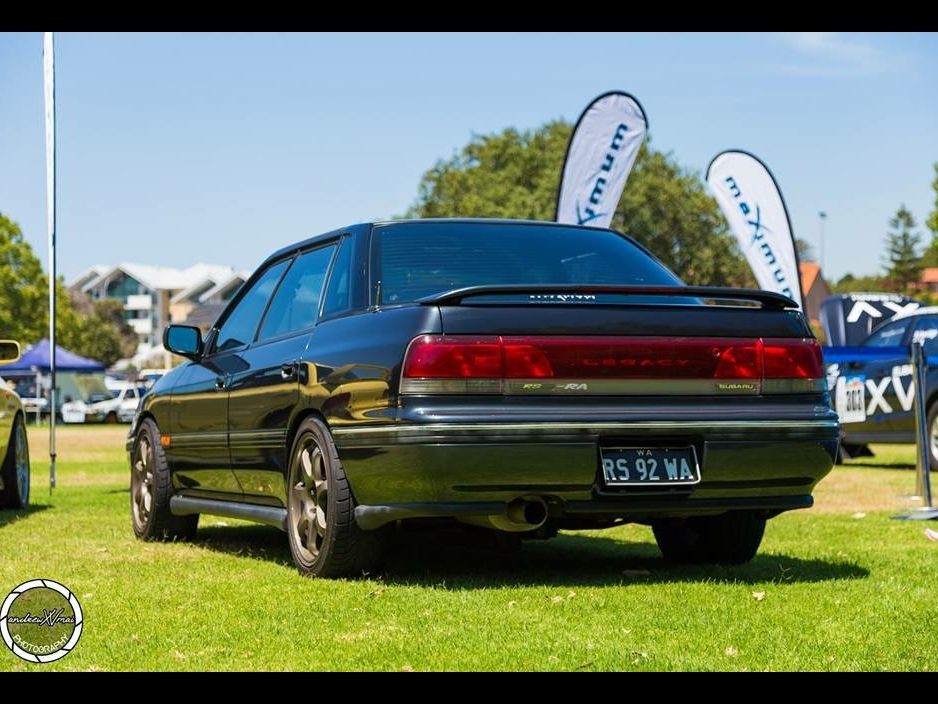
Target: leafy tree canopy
[515, 174]
[93, 329]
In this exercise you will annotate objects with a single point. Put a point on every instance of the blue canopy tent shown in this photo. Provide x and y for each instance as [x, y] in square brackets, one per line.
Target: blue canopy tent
[38, 357]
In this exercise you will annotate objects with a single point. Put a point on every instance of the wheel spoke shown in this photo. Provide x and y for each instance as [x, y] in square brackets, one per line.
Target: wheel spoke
[320, 521]
[321, 489]
[311, 532]
[307, 466]
[300, 528]
[319, 470]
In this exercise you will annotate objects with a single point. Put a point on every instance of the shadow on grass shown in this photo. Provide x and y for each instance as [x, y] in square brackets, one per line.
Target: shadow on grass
[459, 560]
[13, 516]
[879, 465]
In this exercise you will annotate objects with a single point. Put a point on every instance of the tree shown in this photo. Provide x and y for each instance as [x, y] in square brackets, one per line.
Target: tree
[932, 221]
[515, 174]
[804, 249]
[23, 292]
[903, 264]
[99, 330]
[94, 329]
[849, 283]
[930, 257]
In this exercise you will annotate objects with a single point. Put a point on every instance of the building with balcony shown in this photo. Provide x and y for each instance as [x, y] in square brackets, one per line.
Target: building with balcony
[154, 296]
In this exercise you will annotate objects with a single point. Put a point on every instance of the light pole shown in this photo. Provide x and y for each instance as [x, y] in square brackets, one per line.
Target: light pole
[822, 216]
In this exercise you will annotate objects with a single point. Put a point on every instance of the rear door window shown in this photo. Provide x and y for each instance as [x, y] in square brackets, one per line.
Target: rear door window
[295, 305]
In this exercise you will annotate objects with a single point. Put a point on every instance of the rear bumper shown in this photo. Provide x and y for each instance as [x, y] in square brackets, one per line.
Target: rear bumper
[410, 470]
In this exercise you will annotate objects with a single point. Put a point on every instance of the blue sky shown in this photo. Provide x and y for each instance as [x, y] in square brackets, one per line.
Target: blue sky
[175, 149]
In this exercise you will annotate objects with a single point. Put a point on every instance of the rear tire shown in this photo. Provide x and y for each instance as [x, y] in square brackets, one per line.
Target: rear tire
[15, 469]
[729, 539]
[151, 489]
[325, 540]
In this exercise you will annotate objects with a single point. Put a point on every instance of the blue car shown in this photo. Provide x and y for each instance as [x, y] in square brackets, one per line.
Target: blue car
[872, 385]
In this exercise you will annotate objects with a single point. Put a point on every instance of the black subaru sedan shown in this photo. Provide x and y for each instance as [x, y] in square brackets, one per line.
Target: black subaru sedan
[525, 377]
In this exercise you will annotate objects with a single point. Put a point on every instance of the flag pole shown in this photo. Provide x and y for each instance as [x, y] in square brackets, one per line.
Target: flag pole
[48, 66]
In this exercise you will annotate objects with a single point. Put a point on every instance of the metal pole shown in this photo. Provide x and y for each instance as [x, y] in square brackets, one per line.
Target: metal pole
[922, 439]
[823, 217]
[38, 396]
[48, 65]
[922, 459]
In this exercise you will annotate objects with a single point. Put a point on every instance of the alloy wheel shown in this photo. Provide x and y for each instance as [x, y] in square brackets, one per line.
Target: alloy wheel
[21, 450]
[142, 481]
[309, 498]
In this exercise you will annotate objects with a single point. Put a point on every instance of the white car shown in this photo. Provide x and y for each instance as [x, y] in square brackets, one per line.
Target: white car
[117, 408]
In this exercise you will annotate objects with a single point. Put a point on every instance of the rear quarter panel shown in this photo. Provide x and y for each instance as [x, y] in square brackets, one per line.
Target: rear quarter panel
[353, 363]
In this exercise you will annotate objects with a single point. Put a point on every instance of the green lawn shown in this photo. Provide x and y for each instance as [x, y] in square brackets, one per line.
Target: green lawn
[839, 587]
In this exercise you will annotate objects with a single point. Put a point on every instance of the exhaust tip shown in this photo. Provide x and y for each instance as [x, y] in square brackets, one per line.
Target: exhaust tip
[535, 512]
[530, 512]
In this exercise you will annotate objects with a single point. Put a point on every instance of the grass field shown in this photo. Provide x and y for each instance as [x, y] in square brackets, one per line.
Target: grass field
[838, 587]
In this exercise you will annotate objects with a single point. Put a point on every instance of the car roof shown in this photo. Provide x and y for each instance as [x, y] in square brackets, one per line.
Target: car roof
[927, 310]
[362, 226]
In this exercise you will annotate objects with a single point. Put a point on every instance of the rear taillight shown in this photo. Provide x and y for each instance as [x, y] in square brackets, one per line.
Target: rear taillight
[610, 365]
[785, 358]
[438, 357]
[792, 365]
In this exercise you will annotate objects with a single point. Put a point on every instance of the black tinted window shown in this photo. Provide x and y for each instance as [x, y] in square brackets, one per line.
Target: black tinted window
[420, 259]
[926, 333]
[338, 292]
[296, 303]
[239, 327]
[890, 335]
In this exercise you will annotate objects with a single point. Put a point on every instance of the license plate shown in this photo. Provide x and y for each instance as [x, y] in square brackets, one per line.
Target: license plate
[649, 466]
[850, 399]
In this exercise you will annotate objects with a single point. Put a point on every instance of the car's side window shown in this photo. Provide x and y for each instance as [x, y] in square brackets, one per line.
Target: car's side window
[890, 335]
[338, 292]
[926, 333]
[295, 305]
[238, 328]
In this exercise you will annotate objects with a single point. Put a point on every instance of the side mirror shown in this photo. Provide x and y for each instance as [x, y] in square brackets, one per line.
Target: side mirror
[184, 340]
[9, 351]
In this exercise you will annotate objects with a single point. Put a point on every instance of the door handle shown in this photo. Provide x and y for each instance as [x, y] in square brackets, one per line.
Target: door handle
[220, 383]
[288, 371]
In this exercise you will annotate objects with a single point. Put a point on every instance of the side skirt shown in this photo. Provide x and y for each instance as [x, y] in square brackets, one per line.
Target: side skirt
[268, 515]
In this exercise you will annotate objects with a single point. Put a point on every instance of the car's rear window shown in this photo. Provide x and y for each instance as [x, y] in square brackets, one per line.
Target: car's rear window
[414, 260]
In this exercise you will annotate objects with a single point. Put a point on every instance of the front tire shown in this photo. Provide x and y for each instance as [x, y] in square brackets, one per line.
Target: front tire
[325, 540]
[15, 469]
[729, 539]
[151, 489]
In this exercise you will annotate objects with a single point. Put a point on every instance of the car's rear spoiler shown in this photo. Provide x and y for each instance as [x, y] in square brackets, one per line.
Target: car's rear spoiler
[768, 299]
